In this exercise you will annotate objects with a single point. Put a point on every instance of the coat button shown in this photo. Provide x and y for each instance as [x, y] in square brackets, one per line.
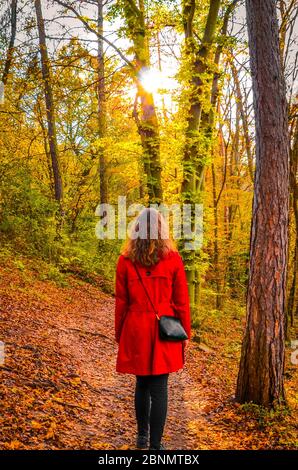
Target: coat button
[148, 273]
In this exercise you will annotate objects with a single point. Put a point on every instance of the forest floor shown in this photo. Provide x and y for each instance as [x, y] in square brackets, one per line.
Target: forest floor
[59, 388]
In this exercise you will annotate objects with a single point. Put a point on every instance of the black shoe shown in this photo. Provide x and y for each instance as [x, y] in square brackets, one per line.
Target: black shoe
[142, 441]
[161, 447]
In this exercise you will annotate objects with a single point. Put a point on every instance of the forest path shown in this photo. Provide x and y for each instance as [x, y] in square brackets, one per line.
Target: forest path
[59, 382]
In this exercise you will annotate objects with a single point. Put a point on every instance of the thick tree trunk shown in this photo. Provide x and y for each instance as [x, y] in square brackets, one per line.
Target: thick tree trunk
[49, 101]
[260, 377]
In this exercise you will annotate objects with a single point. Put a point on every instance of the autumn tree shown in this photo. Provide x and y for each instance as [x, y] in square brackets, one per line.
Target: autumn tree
[49, 101]
[101, 102]
[261, 370]
[287, 10]
[10, 50]
[144, 108]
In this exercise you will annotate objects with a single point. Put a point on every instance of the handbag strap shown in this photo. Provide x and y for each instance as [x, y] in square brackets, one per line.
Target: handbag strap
[146, 290]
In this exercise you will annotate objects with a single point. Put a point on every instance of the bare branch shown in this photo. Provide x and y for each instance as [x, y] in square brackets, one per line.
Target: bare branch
[94, 31]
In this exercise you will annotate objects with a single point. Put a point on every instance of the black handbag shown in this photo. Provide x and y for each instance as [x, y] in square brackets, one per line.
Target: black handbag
[170, 328]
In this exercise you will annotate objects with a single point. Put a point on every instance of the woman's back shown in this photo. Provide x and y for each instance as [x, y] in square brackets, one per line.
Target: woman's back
[157, 279]
[141, 351]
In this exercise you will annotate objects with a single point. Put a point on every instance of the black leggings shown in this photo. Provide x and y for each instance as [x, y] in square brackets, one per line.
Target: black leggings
[152, 412]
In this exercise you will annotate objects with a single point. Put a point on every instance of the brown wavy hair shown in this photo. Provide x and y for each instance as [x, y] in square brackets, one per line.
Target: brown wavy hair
[149, 240]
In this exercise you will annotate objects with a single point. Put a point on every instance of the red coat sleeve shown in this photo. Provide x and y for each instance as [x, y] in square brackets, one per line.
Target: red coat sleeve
[121, 296]
[180, 296]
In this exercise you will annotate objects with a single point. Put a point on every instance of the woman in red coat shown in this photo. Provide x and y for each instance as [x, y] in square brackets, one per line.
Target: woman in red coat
[141, 351]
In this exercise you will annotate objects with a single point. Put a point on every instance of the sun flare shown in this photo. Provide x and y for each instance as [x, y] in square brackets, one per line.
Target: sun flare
[152, 80]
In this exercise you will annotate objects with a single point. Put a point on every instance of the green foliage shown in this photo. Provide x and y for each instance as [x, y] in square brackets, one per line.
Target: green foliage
[265, 417]
[53, 274]
[27, 216]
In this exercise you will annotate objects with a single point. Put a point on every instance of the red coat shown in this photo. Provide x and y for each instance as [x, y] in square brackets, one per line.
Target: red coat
[140, 351]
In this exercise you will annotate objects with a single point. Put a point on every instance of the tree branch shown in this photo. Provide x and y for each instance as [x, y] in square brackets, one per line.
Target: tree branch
[86, 24]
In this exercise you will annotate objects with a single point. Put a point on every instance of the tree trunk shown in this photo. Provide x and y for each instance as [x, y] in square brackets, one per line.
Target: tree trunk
[101, 102]
[216, 269]
[294, 203]
[49, 101]
[192, 166]
[199, 68]
[244, 119]
[146, 120]
[9, 56]
[260, 377]
[205, 149]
